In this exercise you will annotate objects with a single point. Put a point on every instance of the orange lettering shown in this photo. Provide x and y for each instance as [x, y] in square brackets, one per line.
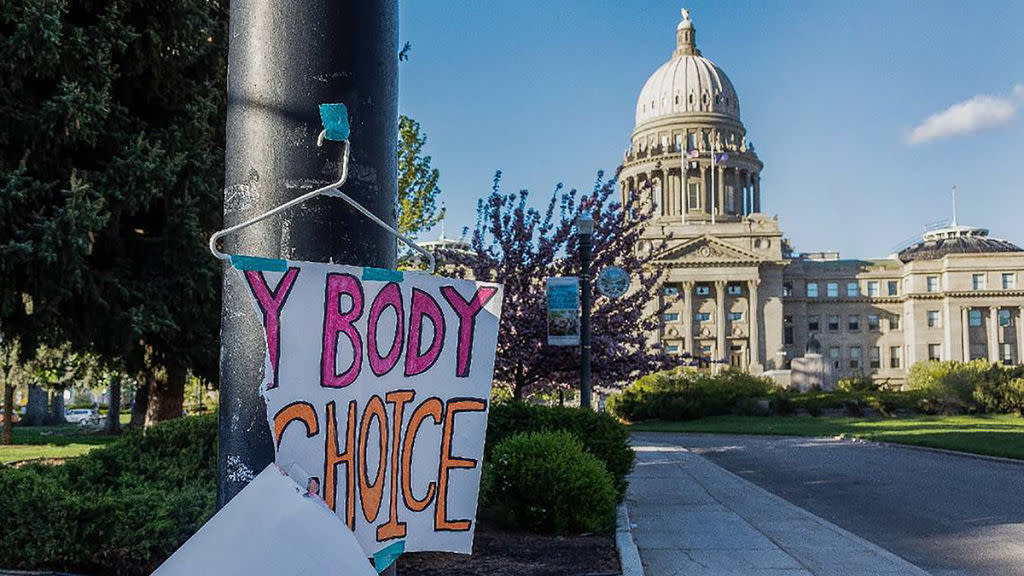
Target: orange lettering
[332, 458]
[371, 494]
[430, 407]
[393, 528]
[449, 462]
[296, 411]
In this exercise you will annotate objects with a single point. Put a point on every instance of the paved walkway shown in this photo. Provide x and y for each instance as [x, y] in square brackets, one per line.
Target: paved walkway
[693, 518]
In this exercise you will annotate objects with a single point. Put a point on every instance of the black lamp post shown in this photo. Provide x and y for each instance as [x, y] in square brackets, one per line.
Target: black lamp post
[585, 230]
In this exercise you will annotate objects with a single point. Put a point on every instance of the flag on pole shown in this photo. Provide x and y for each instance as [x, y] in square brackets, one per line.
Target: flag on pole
[719, 158]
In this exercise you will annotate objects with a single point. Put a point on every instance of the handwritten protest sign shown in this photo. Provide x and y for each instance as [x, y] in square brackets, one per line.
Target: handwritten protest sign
[377, 386]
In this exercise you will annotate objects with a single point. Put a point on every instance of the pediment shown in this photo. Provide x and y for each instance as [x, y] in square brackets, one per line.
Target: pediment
[706, 250]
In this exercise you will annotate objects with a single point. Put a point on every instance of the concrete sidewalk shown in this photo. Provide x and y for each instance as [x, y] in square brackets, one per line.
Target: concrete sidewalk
[691, 517]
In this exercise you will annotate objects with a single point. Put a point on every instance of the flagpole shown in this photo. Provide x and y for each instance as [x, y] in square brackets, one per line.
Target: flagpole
[714, 190]
[682, 181]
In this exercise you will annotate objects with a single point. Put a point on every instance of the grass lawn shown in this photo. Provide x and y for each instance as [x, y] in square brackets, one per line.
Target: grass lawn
[46, 442]
[997, 435]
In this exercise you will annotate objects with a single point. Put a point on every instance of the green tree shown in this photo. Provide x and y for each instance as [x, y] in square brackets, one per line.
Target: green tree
[111, 170]
[417, 181]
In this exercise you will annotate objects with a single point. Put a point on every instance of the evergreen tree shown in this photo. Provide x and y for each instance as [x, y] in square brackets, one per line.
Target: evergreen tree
[111, 170]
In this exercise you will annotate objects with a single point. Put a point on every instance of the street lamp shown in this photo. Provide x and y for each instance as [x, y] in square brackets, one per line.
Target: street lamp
[585, 231]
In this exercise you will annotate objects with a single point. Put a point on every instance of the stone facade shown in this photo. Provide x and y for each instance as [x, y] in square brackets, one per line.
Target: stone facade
[736, 293]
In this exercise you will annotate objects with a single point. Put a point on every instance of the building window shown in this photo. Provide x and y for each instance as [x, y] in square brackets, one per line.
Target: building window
[935, 352]
[894, 288]
[974, 317]
[977, 281]
[693, 196]
[894, 322]
[735, 316]
[978, 350]
[895, 356]
[812, 289]
[875, 358]
[1006, 350]
[703, 290]
[833, 322]
[702, 317]
[813, 324]
[670, 317]
[1005, 317]
[705, 350]
[832, 290]
[874, 323]
[932, 283]
[787, 288]
[787, 329]
[932, 317]
[691, 137]
[853, 322]
[672, 348]
[833, 356]
[852, 290]
[873, 289]
[670, 291]
[734, 289]
[1009, 281]
[855, 357]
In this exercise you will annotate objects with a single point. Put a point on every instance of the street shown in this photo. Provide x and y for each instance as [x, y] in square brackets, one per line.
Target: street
[945, 513]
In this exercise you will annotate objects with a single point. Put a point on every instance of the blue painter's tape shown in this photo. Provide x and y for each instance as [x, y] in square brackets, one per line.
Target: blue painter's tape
[382, 274]
[257, 263]
[335, 119]
[386, 556]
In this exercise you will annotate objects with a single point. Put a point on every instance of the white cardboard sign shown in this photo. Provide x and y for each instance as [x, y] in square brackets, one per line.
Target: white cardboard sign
[377, 385]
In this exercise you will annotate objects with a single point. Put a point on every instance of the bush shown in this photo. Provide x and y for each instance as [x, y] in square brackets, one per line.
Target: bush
[687, 394]
[949, 386]
[1001, 396]
[121, 509]
[548, 482]
[601, 434]
[857, 384]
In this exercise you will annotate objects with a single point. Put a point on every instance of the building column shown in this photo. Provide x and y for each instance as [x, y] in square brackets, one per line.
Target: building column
[1020, 334]
[965, 333]
[993, 334]
[757, 192]
[720, 185]
[688, 322]
[720, 351]
[754, 321]
[703, 188]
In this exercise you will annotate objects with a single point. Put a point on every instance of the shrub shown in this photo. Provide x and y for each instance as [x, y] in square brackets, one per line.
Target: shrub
[601, 434]
[857, 384]
[121, 509]
[687, 394]
[949, 386]
[1001, 395]
[548, 482]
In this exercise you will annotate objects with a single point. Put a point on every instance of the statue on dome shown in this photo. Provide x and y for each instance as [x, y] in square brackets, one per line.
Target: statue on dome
[685, 13]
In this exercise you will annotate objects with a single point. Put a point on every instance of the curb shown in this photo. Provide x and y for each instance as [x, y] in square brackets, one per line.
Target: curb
[629, 555]
[972, 455]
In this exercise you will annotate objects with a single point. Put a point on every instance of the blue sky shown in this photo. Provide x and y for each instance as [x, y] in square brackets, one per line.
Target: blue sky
[836, 96]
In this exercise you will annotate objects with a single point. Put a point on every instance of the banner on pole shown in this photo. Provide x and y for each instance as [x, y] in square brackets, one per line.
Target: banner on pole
[563, 295]
[377, 385]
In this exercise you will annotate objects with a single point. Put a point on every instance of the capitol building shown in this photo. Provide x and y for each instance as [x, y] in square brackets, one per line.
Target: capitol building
[735, 291]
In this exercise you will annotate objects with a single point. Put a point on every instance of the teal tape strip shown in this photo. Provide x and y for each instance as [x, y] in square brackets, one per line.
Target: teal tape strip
[382, 274]
[386, 556]
[257, 263]
[335, 120]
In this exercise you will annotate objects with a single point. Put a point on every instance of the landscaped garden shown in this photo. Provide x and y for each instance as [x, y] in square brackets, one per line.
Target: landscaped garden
[966, 406]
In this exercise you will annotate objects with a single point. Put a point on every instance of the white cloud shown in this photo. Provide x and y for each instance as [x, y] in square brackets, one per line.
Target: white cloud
[977, 113]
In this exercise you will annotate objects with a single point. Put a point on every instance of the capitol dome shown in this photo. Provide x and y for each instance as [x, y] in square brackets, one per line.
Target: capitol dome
[687, 83]
[955, 239]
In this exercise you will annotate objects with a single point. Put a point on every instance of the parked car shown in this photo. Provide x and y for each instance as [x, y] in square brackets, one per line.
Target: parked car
[80, 415]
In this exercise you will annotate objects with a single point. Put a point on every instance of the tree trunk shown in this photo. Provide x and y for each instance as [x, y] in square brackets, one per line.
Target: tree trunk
[140, 405]
[114, 406]
[5, 439]
[56, 415]
[166, 394]
[35, 412]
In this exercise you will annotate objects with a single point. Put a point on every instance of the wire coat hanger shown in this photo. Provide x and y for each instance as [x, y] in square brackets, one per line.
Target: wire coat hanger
[335, 120]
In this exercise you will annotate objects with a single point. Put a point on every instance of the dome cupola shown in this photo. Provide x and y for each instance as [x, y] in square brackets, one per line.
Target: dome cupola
[687, 83]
